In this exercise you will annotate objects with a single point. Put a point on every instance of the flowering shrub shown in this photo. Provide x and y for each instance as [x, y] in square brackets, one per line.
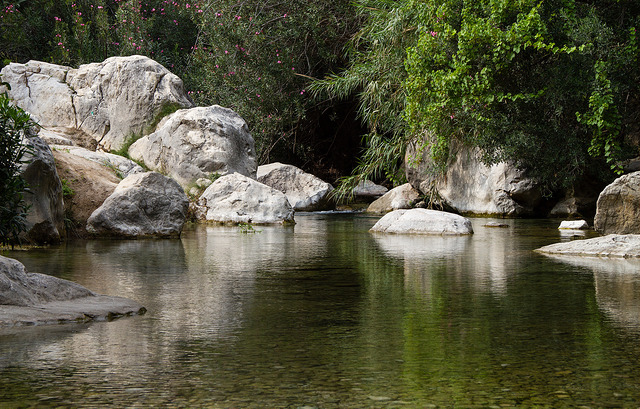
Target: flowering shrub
[255, 57]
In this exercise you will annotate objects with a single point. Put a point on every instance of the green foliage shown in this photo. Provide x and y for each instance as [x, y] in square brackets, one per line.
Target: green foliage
[257, 57]
[247, 228]
[67, 191]
[375, 74]
[14, 122]
[543, 84]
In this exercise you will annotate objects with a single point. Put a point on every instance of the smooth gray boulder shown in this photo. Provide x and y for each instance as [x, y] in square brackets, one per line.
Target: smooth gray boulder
[612, 245]
[32, 298]
[470, 187]
[304, 191]
[401, 197]
[423, 221]
[236, 198]
[198, 143]
[618, 207]
[368, 191]
[45, 217]
[109, 101]
[142, 205]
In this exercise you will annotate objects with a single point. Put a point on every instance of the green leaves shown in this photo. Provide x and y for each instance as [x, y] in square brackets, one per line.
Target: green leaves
[14, 122]
[505, 76]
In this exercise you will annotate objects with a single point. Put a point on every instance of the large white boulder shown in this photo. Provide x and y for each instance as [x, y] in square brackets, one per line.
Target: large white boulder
[618, 207]
[423, 221]
[236, 198]
[142, 205]
[110, 101]
[400, 197]
[304, 191]
[32, 298]
[45, 217]
[197, 143]
[471, 187]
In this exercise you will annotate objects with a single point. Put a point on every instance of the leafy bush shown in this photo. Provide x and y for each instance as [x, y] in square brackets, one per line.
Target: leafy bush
[14, 122]
[551, 86]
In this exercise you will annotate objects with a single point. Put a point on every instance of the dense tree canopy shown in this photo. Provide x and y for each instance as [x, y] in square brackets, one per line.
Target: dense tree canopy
[254, 56]
[551, 85]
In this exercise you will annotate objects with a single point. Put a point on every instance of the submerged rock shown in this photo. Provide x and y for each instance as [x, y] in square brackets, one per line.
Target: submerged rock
[142, 205]
[236, 198]
[304, 191]
[618, 208]
[32, 298]
[423, 221]
[613, 245]
[198, 143]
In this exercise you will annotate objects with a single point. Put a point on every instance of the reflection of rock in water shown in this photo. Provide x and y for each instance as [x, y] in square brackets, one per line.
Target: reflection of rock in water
[409, 246]
[619, 296]
[485, 259]
[617, 284]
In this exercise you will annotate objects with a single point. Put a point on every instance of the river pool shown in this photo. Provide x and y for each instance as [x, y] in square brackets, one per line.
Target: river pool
[324, 314]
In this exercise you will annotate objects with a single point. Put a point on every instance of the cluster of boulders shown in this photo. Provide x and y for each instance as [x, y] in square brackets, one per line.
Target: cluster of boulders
[123, 152]
[198, 160]
[617, 219]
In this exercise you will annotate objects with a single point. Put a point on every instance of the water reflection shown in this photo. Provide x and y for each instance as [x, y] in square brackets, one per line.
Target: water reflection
[617, 286]
[326, 314]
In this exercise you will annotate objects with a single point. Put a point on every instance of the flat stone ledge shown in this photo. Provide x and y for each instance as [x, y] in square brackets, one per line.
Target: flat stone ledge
[613, 245]
[79, 310]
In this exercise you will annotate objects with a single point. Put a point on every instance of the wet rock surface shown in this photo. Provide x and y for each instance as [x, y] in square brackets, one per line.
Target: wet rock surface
[37, 299]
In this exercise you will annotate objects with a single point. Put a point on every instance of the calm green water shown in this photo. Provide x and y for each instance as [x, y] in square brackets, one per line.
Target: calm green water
[328, 315]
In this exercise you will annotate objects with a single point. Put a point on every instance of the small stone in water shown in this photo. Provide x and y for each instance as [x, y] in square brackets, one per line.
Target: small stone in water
[379, 398]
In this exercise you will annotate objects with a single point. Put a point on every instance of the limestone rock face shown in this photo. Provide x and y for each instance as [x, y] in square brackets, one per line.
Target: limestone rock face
[469, 186]
[618, 207]
[118, 164]
[304, 191]
[90, 183]
[236, 198]
[196, 143]
[109, 101]
[32, 298]
[401, 197]
[142, 205]
[423, 221]
[612, 245]
[45, 218]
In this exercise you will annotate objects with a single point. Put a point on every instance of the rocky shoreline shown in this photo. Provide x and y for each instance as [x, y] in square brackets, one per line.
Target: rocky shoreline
[200, 163]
